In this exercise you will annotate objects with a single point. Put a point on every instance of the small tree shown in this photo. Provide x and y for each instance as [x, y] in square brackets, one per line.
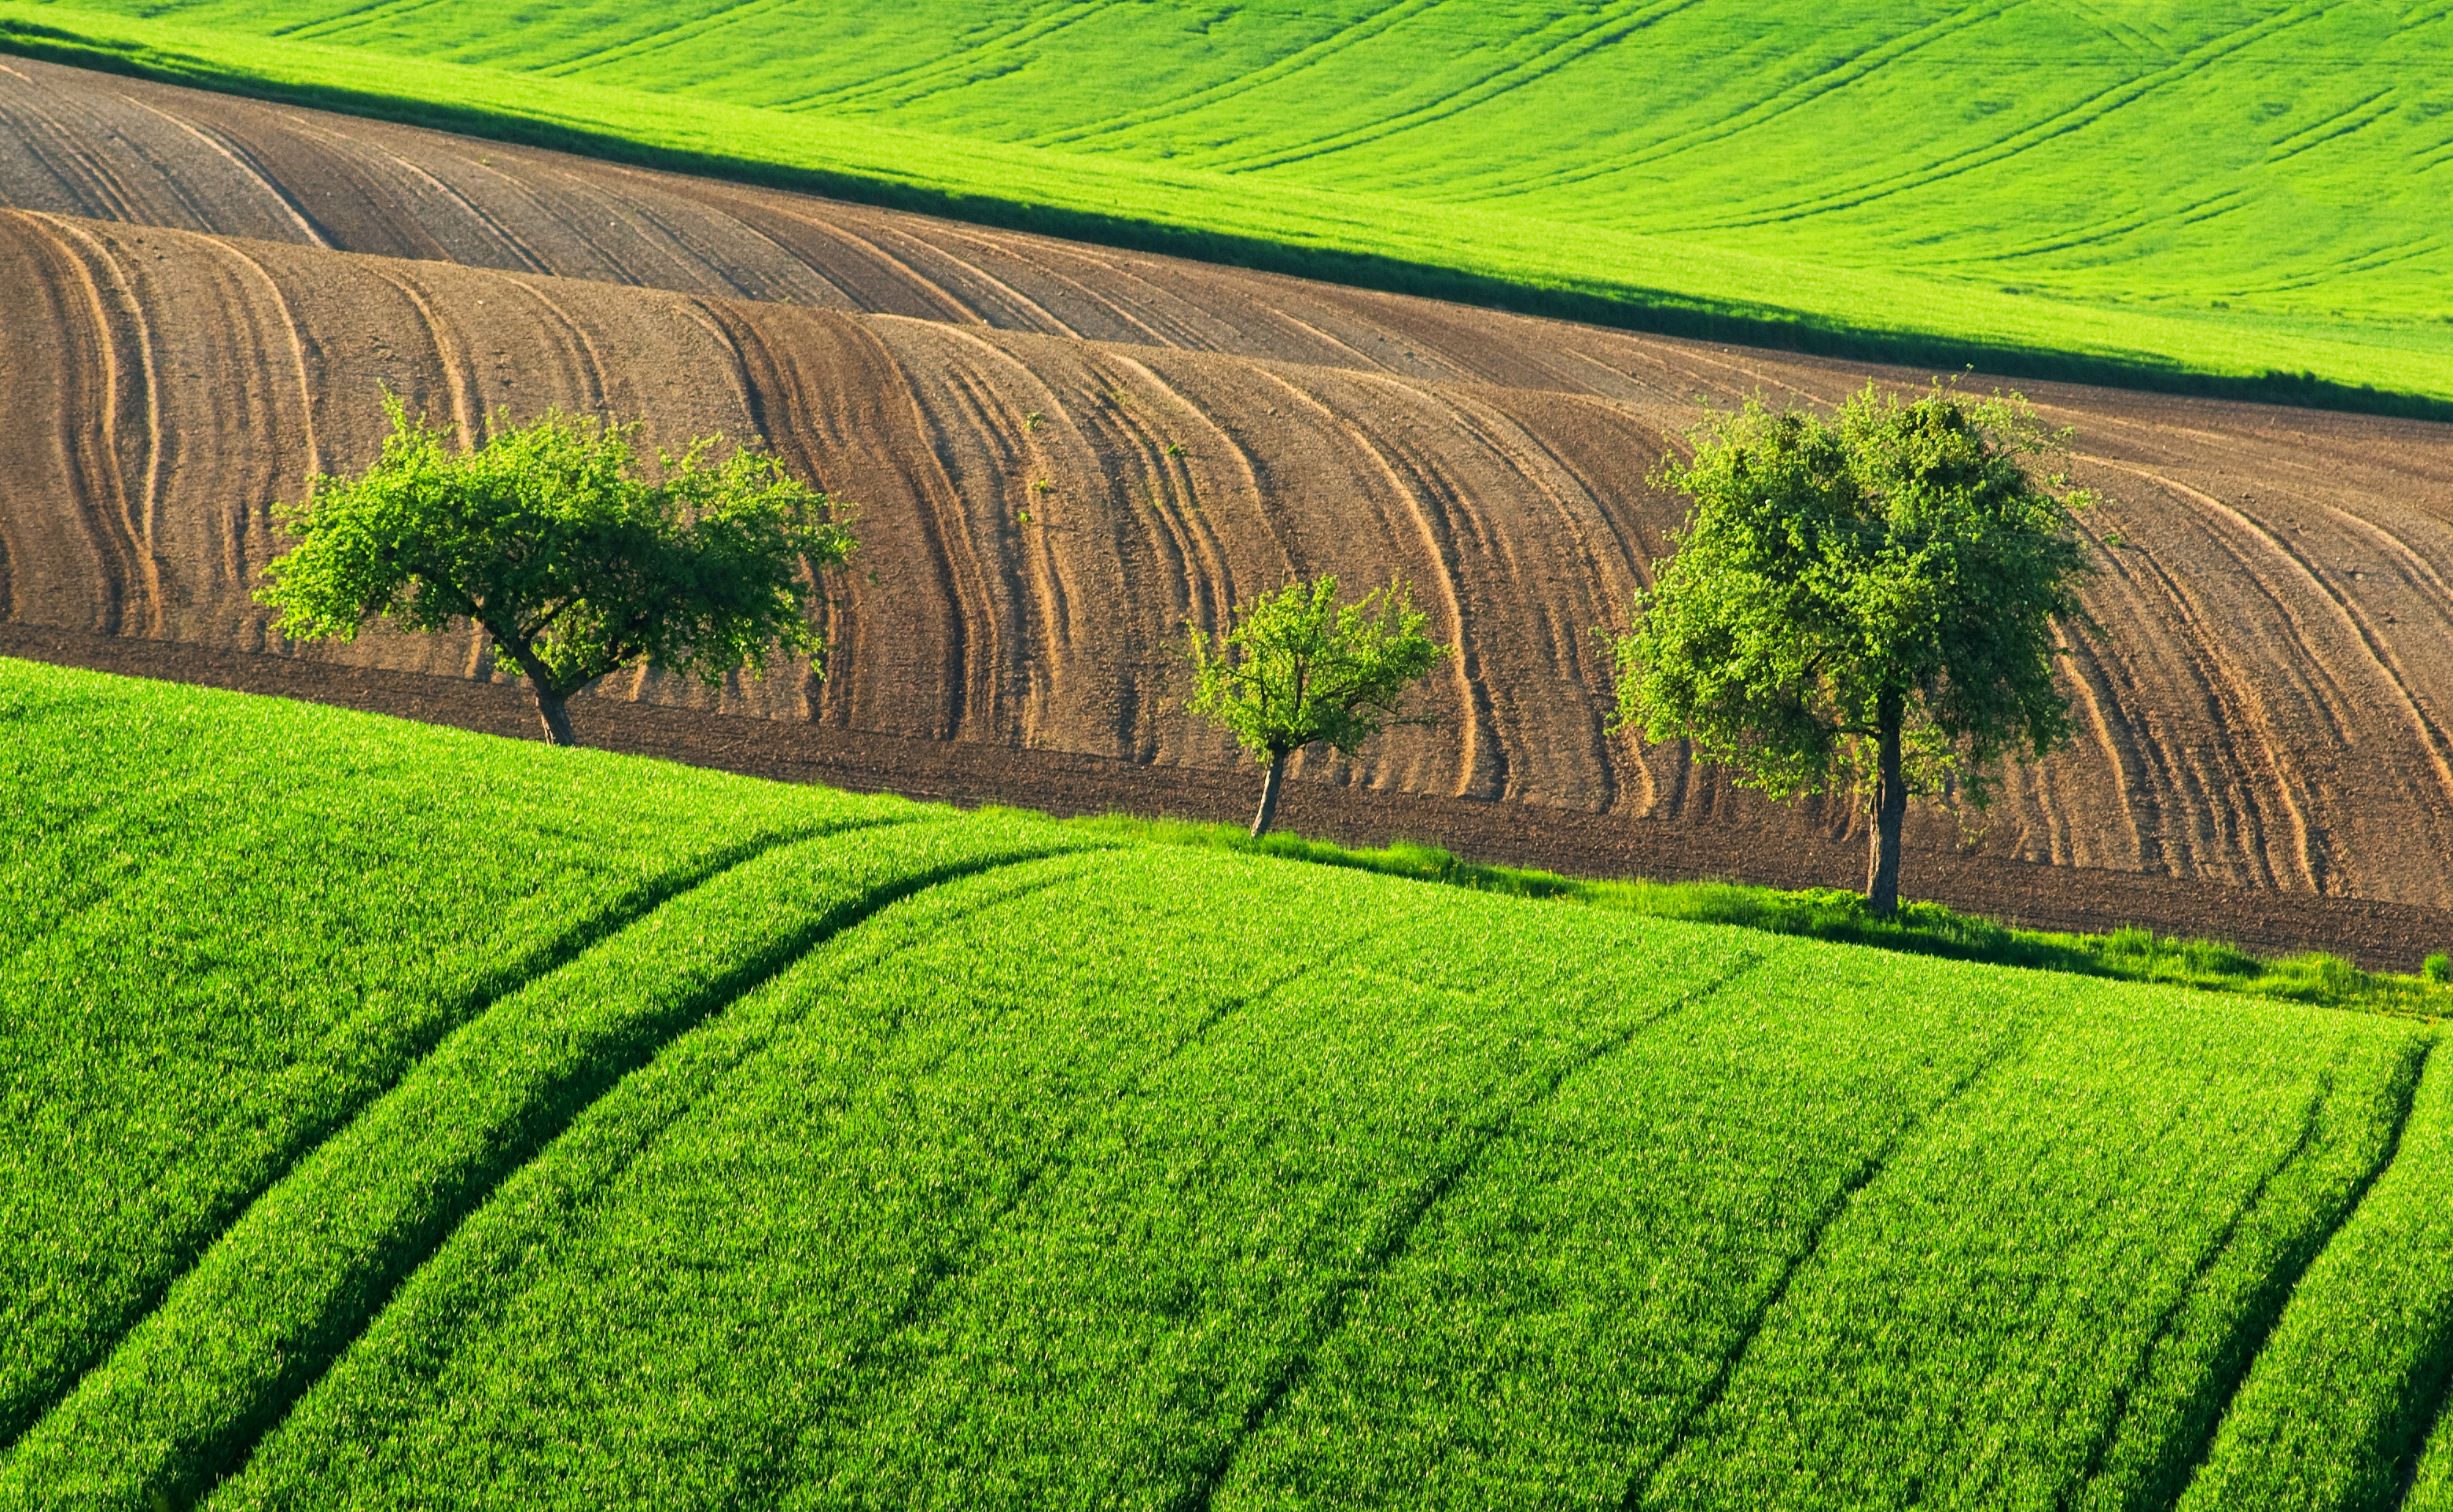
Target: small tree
[1297, 667]
[1871, 601]
[543, 537]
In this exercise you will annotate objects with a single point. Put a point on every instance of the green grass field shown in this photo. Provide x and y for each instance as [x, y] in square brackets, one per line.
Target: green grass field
[394, 1116]
[2151, 193]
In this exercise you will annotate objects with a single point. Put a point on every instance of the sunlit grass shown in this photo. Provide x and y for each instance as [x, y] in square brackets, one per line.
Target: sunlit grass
[396, 1117]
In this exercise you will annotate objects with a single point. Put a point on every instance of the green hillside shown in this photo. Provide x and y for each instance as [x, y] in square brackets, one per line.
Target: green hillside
[395, 1117]
[2217, 189]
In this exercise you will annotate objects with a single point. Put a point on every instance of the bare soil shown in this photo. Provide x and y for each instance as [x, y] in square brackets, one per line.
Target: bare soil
[1064, 455]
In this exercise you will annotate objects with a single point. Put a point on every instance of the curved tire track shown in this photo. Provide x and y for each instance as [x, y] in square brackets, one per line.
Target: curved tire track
[532, 966]
[171, 1445]
[1390, 1246]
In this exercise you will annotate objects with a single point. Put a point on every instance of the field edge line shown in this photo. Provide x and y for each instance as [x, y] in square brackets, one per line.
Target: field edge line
[1846, 332]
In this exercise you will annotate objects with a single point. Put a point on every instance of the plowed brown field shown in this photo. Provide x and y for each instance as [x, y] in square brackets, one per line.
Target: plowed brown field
[1065, 454]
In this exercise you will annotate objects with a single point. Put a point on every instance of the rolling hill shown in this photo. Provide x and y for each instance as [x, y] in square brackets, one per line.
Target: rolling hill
[2049, 188]
[397, 1116]
[1065, 454]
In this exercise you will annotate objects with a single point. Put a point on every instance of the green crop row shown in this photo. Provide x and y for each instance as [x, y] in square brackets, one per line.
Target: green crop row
[1779, 175]
[895, 1155]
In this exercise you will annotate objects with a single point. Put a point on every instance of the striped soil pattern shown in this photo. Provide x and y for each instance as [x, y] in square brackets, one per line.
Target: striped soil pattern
[1063, 455]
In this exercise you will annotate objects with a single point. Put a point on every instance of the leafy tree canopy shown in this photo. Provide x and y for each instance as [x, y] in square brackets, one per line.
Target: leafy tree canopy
[546, 536]
[1296, 667]
[1871, 601]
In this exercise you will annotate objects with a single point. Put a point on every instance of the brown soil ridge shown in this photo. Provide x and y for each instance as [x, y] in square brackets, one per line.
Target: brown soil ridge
[2382, 936]
[2262, 706]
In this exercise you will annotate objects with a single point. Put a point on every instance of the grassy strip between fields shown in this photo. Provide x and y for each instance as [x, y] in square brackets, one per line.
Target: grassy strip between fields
[2130, 954]
[1469, 254]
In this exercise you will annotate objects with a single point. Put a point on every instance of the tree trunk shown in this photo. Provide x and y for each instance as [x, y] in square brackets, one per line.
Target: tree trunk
[1890, 807]
[1268, 809]
[550, 706]
[551, 709]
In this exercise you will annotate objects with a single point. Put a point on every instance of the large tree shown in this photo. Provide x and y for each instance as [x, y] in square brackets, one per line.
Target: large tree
[1872, 601]
[1297, 667]
[546, 537]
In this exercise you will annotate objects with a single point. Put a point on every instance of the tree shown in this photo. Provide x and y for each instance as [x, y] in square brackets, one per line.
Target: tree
[544, 537]
[1871, 601]
[1297, 668]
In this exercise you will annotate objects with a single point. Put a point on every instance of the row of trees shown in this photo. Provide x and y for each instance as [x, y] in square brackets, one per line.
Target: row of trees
[1869, 601]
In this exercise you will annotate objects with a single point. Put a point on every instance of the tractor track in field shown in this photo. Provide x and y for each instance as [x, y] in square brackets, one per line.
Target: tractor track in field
[535, 965]
[1065, 455]
[2254, 1321]
[1056, 1156]
[1375, 1262]
[1639, 1483]
[308, 1348]
[2075, 117]
[1586, 34]
[2434, 1421]
[602, 1078]
[2264, 1321]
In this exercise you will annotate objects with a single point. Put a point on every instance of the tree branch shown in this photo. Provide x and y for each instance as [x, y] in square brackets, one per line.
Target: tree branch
[529, 662]
[548, 616]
